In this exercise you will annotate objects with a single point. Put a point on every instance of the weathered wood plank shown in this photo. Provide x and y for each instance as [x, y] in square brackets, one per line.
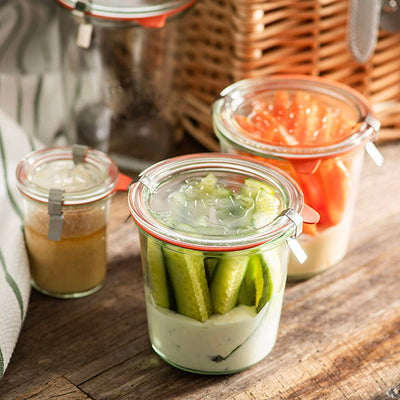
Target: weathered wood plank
[59, 388]
[330, 326]
[339, 336]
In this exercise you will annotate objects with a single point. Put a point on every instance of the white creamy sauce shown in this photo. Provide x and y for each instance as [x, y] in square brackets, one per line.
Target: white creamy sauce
[323, 251]
[222, 344]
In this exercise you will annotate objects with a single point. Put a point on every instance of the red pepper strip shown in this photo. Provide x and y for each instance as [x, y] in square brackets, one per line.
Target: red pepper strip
[281, 134]
[281, 104]
[267, 127]
[315, 114]
[335, 181]
[297, 118]
[310, 229]
[313, 194]
[246, 126]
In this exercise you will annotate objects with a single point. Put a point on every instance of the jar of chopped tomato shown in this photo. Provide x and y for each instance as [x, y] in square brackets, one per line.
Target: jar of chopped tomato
[314, 129]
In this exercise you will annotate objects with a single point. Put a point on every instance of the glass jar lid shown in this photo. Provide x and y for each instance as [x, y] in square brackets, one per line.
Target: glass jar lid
[127, 9]
[83, 175]
[263, 116]
[216, 202]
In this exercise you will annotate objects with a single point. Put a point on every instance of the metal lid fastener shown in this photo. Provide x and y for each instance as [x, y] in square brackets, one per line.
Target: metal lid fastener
[85, 29]
[292, 242]
[54, 208]
[371, 123]
[78, 153]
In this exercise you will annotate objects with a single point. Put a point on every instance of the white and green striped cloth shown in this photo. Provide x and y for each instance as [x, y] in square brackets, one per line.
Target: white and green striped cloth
[30, 73]
[14, 267]
[31, 107]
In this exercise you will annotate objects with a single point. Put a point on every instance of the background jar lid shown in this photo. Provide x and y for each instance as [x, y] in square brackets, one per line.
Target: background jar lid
[149, 13]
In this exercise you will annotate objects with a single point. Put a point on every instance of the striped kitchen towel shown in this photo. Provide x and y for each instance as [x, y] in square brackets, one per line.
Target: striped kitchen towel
[14, 268]
[30, 69]
[32, 108]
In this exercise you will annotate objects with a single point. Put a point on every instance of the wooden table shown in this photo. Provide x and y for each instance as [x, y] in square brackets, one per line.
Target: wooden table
[339, 336]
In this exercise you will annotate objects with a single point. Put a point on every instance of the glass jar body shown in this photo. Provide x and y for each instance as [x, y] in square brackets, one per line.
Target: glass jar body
[316, 131]
[214, 230]
[331, 190]
[74, 266]
[122, 91]
[218, 343]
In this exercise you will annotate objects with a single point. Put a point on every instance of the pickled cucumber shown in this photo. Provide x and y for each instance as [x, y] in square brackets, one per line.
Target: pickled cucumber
[257, 287]
[252, 285]
[252, 186]
[268, 285]
[157, 275]
[210, 263]
[188, 279]
[196, 285]
[267, 206]
[226, 283]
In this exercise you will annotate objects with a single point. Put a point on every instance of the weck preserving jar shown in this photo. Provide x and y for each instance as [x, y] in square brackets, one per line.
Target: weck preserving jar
[214, 230]
[121, 82]
[66, 200]
[314, 129]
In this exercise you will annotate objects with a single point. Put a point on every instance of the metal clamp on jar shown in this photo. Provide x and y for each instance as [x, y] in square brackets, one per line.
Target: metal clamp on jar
[119, 67]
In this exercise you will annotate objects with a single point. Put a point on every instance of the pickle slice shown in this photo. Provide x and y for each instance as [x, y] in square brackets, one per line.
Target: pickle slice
[189, 283]
[157, 275]
[210, 263]
[226, 283]
[257, 287]
[251, 187]
[252, 286]
[268, 285]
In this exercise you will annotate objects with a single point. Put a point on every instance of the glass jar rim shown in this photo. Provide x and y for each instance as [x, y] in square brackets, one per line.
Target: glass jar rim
[101, 162]
[236, 94]
[118, 10]
[282, 227]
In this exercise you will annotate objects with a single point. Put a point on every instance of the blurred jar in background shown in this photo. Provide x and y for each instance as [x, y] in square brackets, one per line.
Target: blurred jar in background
[30, 69]
[119, 61]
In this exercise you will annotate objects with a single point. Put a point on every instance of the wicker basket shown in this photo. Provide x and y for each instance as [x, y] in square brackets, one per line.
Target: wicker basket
[228, 40]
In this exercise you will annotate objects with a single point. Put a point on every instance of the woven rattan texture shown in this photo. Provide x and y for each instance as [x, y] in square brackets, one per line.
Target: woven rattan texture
[229, 40]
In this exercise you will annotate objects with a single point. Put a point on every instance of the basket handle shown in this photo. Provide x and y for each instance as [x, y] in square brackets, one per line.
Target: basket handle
[363, 27]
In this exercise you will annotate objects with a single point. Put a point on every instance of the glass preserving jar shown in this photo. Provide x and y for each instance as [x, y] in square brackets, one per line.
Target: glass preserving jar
[67, 193]
[120, 63]
[314, 129]
[214, 230]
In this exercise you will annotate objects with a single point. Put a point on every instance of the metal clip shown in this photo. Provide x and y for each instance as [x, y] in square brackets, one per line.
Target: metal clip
[371, 122]
[78, 153]
[297, 250]
[85, 29]
[292, 242]
[54, 208]
[374, 153]
[144, 180]
[296, 219]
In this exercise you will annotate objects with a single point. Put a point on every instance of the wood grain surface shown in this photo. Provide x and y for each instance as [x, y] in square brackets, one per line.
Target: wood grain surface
[339, 335]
